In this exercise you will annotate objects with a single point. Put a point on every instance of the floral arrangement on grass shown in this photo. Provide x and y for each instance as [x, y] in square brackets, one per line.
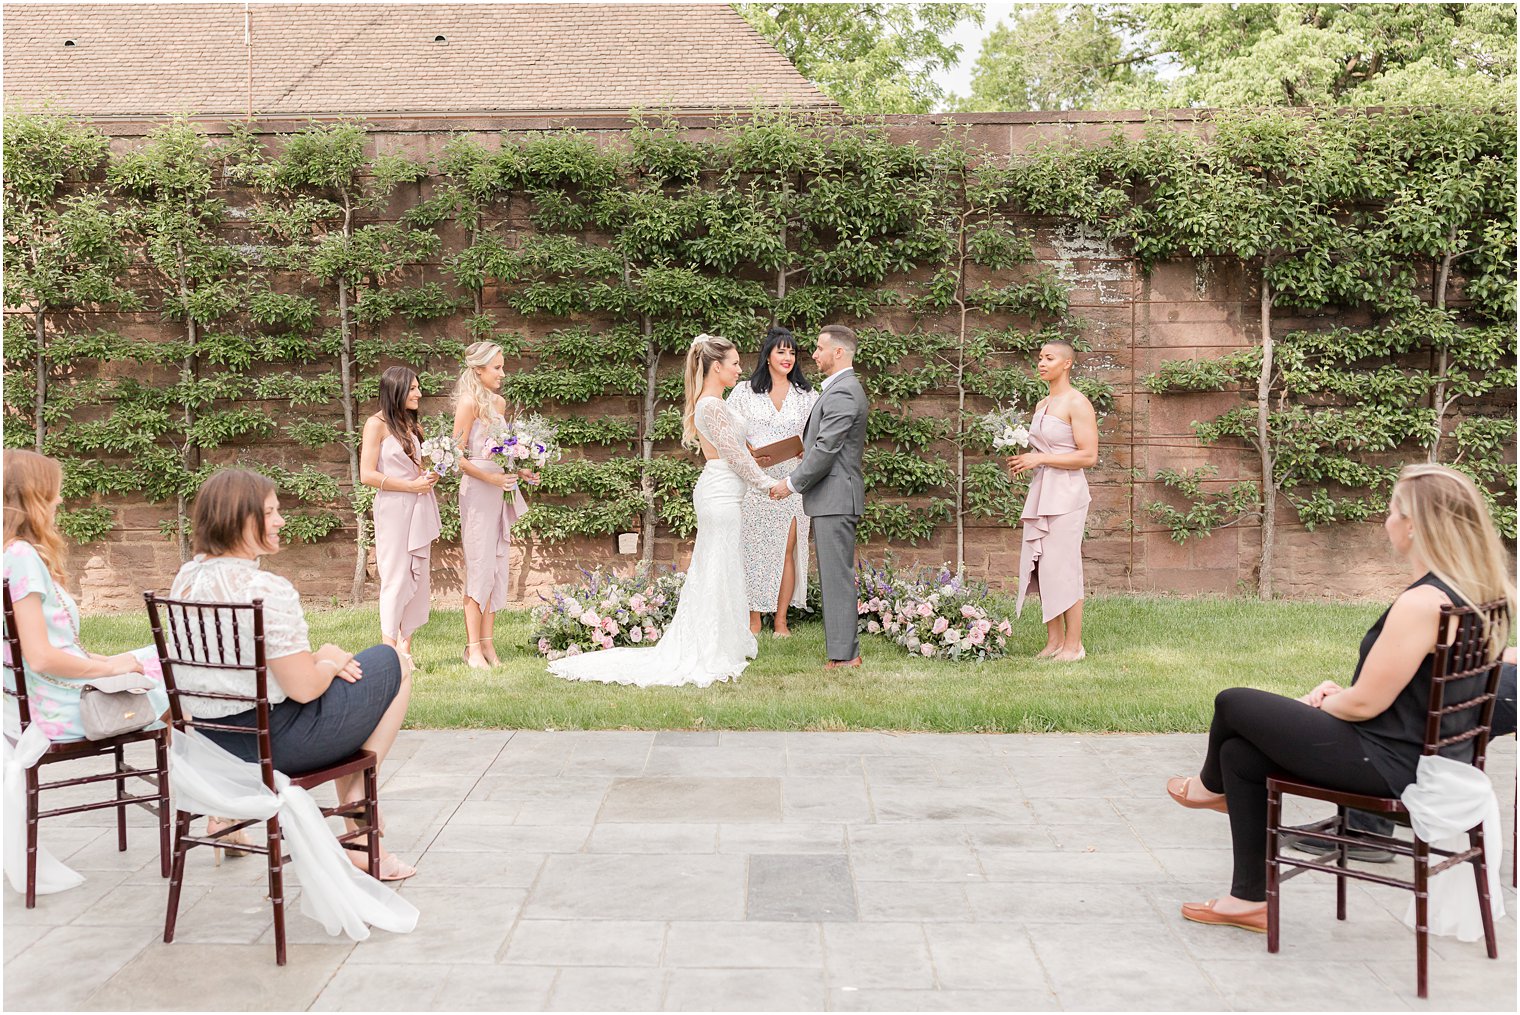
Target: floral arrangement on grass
[606, 610]
[933, 614]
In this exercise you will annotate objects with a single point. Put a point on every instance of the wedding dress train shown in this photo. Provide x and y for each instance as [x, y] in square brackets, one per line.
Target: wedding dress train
[708, 639]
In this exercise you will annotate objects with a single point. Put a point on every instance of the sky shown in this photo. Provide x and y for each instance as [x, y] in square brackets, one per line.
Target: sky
[958, 78]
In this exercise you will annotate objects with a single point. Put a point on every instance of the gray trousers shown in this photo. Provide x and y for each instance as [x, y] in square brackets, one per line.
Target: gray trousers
[834, 537]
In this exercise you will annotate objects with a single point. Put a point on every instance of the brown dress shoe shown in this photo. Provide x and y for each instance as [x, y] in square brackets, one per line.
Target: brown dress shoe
[834, 664]
[1203, 912]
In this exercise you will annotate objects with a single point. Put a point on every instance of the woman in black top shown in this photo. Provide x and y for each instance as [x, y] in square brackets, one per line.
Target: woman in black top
[1365, 738]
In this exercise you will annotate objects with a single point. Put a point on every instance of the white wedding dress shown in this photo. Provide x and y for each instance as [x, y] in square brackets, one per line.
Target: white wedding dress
[708, 639]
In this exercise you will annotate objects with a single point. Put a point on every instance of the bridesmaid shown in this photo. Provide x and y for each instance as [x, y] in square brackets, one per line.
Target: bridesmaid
[774, 404]
[1064, 432]
[489, 500]
[405, 509]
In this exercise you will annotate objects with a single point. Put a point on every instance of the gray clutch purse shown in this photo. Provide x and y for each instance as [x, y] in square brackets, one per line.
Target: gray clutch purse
[111, 706]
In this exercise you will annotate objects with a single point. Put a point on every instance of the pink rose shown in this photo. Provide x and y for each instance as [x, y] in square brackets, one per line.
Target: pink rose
[637, 604]
[573, 650]
[873, 628]
[940, 624]
[543, 645]
[926, 650]
[984, 625]
[1005, 627]
[590, 619]
[635, 634]
[652, 633]
[610, 626]
[862, 608]
[977, 636]
[924, 609]
[968, 611]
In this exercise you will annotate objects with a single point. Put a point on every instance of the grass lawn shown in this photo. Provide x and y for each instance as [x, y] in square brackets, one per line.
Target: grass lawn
[1153, 666]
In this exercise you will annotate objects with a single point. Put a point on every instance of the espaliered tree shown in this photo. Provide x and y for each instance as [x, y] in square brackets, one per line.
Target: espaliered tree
[63, 250]
[317, 183]
[195, 276]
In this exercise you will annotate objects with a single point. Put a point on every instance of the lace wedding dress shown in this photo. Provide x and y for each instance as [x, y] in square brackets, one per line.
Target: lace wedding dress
[708, 639]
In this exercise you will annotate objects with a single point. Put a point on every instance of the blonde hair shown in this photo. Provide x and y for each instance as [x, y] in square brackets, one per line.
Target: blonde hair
[32, 482]
[1456, 538]
[469, 390]
[704, 352]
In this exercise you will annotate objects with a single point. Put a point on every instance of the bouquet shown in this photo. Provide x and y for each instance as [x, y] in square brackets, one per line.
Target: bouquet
[524, 443]
[604, 611]
[1006, 426]
[441, 453]
[934, 615]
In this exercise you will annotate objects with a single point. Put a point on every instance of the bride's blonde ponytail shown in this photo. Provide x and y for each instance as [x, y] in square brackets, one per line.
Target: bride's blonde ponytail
[704, 352]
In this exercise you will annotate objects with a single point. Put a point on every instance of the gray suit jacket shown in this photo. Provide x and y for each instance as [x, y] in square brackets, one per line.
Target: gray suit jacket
[829, 475]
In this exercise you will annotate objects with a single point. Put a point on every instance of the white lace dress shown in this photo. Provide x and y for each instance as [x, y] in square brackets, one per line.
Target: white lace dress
[708, 639]
[767, 521]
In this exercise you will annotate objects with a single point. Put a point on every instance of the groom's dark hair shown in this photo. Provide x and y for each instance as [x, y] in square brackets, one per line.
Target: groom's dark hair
[841, 336]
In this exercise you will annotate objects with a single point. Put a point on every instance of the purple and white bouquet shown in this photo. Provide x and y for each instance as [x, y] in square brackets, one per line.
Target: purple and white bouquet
[935, 615]
[605, 611]
[441, 453]
[1006, 428]
[528, 442]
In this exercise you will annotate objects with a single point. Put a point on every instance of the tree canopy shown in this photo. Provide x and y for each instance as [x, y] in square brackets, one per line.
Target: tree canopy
[870, 58]
[1092, 56]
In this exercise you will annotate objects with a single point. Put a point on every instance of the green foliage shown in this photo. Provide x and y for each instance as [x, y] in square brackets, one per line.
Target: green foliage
[902, 523]
[1205, 510]
[87, 524]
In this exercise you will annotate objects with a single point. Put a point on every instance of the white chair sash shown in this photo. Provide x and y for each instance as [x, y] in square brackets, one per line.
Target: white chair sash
[53, 875]
[1447, 798]
[205, 779]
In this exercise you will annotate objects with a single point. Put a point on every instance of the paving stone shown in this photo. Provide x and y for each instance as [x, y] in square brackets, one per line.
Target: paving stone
[747, 944]
[809, 799]
[982, 956]
[688, 738]
[180, 977]
[383, 988]
[924, 902]
[1032, 999]
[627, 887]
[91, 957]
[693, 800]
[811, 888]
[586, 942]
[614, 837]
[19, 937]
[494, 988]
[727, 762]
[957, 804]
[455, 925]
[877, 955]
[1281, 984]
[607, 989]
[1034, 903]
[744, 990]
[787, 837]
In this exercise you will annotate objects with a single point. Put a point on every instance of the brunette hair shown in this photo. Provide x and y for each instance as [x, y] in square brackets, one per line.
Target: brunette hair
[404, 424]
[225, 505]
[842, 336]
[778, 338]
[704, 352]
[32, 482]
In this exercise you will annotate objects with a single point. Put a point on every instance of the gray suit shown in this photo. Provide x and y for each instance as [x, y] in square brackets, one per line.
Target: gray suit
[834, 497]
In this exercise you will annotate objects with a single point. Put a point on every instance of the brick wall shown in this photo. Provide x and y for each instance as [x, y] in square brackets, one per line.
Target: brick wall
[1133, 322]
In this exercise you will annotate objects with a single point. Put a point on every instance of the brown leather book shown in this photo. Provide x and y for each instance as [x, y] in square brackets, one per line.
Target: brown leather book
[781, 451]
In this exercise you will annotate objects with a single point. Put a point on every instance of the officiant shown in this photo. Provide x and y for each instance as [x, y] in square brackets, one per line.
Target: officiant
[774, 405]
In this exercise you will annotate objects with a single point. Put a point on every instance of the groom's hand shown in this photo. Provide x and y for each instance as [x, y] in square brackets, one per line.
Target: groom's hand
[781, 491]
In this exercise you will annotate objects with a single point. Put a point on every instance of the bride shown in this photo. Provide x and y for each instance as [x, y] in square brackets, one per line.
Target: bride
[709, 637]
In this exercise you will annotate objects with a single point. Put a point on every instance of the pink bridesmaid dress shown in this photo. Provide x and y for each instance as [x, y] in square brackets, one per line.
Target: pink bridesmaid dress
[405, 526]
[485, 527]
[1055, 515]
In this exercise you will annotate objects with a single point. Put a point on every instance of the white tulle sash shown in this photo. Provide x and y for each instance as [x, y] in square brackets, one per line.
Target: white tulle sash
[1447, 798]
[205, 779]
[53, 875]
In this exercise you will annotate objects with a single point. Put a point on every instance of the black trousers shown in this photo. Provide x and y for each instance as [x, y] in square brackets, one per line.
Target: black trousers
[1256, 734]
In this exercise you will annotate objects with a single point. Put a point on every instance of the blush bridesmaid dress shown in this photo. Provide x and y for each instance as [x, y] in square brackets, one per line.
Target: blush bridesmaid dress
[405, 526]
[485, 527]
[1054, 517]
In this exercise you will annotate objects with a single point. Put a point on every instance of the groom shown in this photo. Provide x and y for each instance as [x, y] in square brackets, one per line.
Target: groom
[833, 490]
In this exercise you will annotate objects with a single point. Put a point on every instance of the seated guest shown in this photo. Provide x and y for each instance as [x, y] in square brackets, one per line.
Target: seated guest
[325, 705]
[57, 666]
[1365, 738]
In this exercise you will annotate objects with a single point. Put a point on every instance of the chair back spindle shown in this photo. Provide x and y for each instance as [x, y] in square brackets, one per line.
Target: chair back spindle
[16, 687]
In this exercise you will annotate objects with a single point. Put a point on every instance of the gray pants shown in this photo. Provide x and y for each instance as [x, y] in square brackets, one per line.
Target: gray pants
[834, 536]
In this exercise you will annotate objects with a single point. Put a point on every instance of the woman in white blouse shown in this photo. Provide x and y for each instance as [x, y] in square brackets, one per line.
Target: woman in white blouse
[774, 404]
[324, 705]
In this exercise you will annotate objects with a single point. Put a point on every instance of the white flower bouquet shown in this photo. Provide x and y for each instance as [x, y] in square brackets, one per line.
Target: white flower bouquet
[1007, 428]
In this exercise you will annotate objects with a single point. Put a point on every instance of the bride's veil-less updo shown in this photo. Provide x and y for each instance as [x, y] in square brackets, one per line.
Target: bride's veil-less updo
[705, 351]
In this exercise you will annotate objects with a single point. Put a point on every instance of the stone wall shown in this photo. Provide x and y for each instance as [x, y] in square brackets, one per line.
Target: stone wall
[1133, 321]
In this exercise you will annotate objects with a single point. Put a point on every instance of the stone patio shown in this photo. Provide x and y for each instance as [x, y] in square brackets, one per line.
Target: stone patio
[780, 871]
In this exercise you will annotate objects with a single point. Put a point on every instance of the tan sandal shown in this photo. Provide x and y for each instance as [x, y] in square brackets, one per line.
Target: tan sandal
[1180, 794]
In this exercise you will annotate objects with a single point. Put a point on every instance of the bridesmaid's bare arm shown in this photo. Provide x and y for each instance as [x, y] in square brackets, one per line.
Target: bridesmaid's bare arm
[464, 419]
[369, 454]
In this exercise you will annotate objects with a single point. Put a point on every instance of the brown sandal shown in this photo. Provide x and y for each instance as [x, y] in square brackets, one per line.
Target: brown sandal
[1179, 794]
[1203, 912]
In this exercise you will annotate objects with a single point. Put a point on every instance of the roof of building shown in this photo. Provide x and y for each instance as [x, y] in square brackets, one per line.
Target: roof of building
[137, 60]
